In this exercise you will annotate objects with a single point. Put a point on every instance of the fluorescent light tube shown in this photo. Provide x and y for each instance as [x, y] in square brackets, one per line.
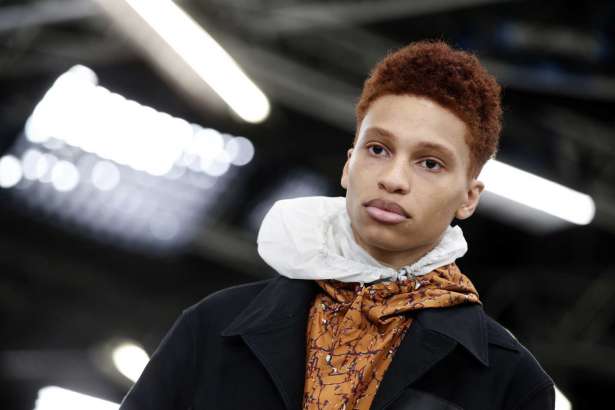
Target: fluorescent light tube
[204, 56]
[536, 192]
[57, 398]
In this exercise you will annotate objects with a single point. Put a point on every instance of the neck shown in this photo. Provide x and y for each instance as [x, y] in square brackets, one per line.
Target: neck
[395, 259]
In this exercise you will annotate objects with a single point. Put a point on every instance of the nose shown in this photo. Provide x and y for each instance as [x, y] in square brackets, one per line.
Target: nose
[395, 178]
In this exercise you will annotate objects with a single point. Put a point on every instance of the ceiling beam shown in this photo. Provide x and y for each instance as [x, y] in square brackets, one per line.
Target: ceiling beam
[315, 15]
[44, 12]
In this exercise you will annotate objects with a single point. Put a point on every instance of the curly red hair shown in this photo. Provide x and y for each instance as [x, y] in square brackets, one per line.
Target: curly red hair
[453, 78]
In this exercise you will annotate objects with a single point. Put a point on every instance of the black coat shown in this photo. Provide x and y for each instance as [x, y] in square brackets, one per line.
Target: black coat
[245, 347]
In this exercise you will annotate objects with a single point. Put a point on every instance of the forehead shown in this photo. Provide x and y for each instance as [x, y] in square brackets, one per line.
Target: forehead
[414, 120]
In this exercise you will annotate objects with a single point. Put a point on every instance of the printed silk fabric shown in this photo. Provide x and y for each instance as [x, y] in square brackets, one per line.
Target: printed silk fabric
[354, 331]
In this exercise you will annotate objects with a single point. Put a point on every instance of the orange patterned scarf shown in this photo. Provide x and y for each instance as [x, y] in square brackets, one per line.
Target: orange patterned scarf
[353, 332]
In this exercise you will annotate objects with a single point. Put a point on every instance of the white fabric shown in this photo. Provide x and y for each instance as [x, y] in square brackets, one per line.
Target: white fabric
[311, 238]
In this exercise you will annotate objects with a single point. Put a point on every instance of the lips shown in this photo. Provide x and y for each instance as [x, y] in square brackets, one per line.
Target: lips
[386, 211]
[388, 206]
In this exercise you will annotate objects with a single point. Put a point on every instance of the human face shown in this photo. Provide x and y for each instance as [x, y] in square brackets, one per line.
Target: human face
[406, 178]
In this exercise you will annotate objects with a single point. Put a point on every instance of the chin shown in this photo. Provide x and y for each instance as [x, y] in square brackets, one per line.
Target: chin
[383, 238]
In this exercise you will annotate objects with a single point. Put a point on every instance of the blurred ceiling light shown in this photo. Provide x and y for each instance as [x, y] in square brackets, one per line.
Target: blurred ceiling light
[82, 114]
[538, 193]
[203, 55]
[215, 167]
[64, 176]
[561, 401]
[123, 172]
[105, 175]
[207, 143]
[240, 150]
[34, 164]
[10, 171]
[46, 165]
[57, 398]
[130, 360]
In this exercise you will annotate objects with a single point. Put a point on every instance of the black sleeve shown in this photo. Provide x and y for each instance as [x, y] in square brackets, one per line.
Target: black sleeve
[542, 399]
[167, 383]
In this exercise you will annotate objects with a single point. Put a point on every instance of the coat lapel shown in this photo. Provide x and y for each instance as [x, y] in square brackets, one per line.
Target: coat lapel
[431, 337]
[420, 350]
[274, 328]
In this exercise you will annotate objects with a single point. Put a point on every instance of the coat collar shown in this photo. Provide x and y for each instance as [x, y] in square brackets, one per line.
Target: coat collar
[274, 326]
[281, 301]
[466, 324]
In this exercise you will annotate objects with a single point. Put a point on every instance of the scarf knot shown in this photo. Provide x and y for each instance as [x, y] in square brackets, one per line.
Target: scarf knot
[380, 301]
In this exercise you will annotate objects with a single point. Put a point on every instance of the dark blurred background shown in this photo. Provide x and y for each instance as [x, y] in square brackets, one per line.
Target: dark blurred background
[100, 247]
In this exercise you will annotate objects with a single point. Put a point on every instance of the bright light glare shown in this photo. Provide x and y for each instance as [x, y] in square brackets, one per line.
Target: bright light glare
[10, 171]
[85, 115]
[92, 118]
[47, 163]
[64, 176]
[207, 143]
[130, 360]
[57, 398]
[536, 192]
[105, 175]
[561, 402]
[240, 150]
[215, 168]
[205, 56]
[34, 164]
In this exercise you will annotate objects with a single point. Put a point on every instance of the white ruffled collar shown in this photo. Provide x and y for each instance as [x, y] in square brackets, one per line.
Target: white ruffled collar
[311, 238]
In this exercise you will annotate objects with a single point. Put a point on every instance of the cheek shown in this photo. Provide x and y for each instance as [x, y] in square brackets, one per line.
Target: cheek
[353, 192]
[442, 204]
[359, 177]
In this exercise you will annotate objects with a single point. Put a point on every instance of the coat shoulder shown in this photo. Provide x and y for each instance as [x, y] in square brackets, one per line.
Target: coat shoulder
[529, 385]
[525, 365]
[500, 336]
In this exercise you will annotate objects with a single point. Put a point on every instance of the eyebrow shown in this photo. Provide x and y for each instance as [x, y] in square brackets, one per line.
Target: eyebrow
[421, 145]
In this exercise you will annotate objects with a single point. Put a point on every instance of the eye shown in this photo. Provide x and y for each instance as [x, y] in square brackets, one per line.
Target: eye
[432, 164]
[376, 150]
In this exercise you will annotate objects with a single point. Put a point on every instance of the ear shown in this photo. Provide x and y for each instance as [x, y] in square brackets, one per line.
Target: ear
[344, 181]
[473, 195]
